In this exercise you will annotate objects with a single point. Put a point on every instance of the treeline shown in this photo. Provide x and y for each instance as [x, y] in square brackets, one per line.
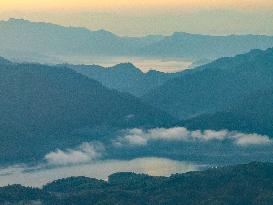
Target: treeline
[241, 184]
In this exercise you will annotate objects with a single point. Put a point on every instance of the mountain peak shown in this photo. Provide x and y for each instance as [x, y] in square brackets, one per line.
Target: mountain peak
[105, 33]
[154, 72]
[126, 67]
[182, 34]
[102, 31]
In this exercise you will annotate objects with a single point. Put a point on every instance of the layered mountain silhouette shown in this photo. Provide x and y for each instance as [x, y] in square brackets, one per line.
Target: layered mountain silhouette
[21, 36]
[23, 39]
[195, 46]
[126, 77]
[41, 106]
[215, 87]
[46, 107]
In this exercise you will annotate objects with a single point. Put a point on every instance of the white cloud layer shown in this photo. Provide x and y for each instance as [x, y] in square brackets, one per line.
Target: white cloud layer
[84, 153]
[142, 137]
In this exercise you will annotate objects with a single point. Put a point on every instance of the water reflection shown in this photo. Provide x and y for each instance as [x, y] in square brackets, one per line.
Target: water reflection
[38, 176]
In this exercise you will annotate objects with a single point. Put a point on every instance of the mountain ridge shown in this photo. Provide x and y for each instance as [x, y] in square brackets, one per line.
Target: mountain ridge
[40, 103]
[254, 114]
[125, 77]
[214, 86]
[19, 36]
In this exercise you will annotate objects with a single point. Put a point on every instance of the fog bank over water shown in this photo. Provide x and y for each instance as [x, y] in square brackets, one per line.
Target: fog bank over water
[145, 64]
[157, 152]
[40, 175]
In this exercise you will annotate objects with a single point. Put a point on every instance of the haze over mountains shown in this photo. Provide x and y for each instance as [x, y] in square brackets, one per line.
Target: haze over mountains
[45, 42]
[77, 119]
[50, 107]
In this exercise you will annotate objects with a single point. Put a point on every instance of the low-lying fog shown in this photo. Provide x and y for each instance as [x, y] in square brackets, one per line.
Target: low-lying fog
[157, 151]
[101, 169]
[167, 65]
[145, 64]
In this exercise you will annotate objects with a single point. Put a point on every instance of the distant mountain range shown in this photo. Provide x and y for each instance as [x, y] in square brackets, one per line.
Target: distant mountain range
[215, 87]
[41, 106]
[52, 40]
[27, 40]
[126, 77]
[196, 47]
[249, 184]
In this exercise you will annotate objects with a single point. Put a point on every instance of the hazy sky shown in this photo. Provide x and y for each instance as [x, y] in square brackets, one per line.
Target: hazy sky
[127, 17]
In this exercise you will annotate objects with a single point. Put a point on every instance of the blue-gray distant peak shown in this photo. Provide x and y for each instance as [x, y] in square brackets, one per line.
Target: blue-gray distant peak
[27, 24]
[179, 34]
[126, 67]
[150, 72]
[105, 33]
[125, 77]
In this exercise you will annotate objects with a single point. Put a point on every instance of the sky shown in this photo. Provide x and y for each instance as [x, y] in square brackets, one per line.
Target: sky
[137, 18]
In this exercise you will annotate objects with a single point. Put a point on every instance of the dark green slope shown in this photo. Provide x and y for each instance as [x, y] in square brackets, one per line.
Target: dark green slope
[215, 86]
[39, 102]
[254, 114]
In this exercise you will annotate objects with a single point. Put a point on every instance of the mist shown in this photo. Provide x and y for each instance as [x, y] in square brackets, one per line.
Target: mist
[141, 137]
[101, 169]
